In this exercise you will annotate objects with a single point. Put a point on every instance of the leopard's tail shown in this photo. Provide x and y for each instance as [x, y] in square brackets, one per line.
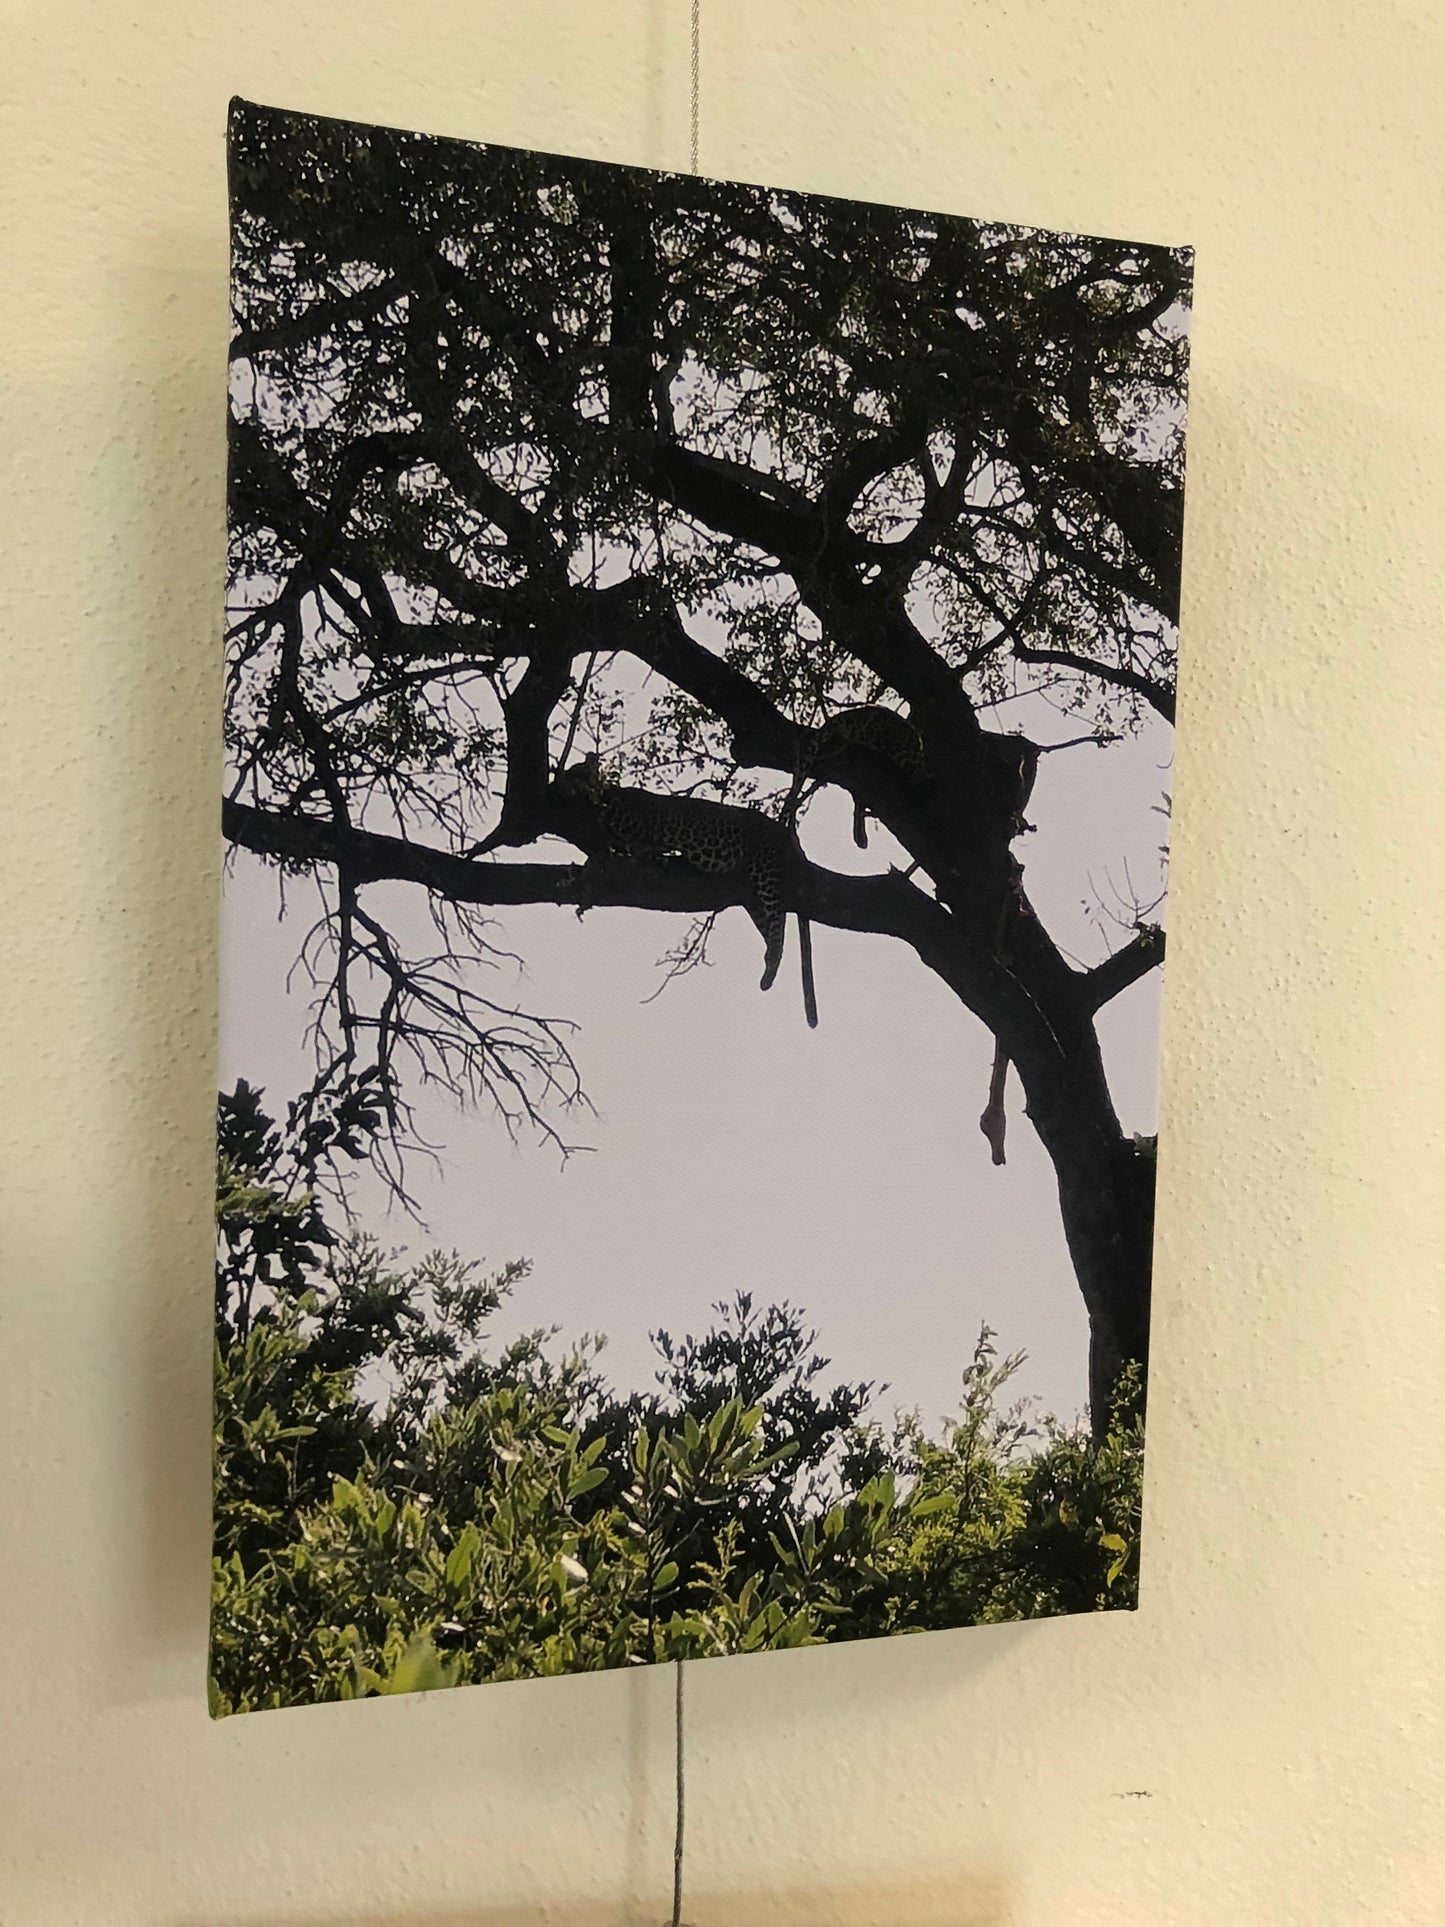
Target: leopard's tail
[805, 952]
[773, 932]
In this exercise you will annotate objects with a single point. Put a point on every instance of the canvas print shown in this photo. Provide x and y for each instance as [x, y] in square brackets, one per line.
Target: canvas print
[700, 667]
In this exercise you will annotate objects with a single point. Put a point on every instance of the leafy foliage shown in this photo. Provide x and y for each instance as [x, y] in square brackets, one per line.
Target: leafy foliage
[402, 1506]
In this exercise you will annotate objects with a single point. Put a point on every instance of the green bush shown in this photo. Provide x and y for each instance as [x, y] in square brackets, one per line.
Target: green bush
[400, 1506]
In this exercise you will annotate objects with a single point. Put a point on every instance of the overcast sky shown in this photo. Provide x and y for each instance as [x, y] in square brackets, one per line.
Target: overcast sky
[841, 1168]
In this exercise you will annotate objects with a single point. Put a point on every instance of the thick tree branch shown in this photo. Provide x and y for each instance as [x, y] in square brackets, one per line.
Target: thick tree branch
[1138, 957]
[527, 714]
[1159, 699]
[486, 495]
[383, 634]
[636, 619]
[283, 335]
[743, 503]
[886, 905]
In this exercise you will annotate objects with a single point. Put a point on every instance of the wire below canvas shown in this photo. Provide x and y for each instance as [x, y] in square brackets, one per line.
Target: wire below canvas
[677, 1838]
[696, 77]
[694, 120]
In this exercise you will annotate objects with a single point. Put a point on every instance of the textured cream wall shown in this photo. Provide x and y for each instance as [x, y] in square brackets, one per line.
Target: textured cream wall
[1262, 1743]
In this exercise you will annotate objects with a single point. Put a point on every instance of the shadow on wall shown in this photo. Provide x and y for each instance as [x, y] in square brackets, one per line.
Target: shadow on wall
[952, 1899]
[168, 612]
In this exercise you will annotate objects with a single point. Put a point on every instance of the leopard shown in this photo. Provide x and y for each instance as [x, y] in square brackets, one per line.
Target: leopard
[718, 839]
[871, 726]
[882, 732]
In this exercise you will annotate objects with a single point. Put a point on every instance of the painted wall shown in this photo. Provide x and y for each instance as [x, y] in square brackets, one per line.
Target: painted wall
[1262, 1743]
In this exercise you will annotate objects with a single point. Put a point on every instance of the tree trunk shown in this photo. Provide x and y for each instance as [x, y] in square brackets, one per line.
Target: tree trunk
[1106, 1193]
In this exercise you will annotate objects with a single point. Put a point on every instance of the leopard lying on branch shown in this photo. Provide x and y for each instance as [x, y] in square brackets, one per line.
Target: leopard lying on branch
[882, 732]
[717, 838]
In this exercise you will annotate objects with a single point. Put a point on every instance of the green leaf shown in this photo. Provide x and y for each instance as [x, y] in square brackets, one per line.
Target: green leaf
[1112, 1542]
[461, 1557]
[934, 1502]
[588, 1481]
[420, 1669]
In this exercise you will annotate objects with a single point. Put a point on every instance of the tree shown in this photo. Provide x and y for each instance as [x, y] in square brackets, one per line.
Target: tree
[532, 458]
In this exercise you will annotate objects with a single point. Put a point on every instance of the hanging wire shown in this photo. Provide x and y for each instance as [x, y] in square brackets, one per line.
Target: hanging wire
[681, 1805]
[679, 1831]
[696, 75]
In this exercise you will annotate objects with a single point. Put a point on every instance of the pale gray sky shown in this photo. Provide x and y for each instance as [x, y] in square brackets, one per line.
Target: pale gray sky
[842, 1168]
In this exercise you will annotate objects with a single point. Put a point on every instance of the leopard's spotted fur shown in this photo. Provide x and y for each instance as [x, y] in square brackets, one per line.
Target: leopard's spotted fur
[872, 727]
[716, 838]
[882, 732]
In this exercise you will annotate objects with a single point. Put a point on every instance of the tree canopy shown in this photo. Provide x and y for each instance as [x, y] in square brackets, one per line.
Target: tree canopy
[542, 466]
